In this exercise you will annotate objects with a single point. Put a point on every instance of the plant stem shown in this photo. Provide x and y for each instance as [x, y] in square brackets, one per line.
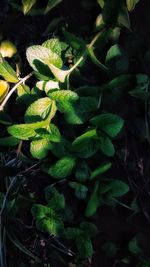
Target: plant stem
[13, 90]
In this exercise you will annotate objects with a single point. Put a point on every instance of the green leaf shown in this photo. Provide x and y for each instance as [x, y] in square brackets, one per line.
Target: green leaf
[80, 111]
[118, 188]
[37, 53]
[47, 85]
[86, 145]
[51, 133]
[51, 4]
[101, 3]
[55, 200]
[40, 211]
[110, 11]
[83, 139]
[93, 202]
[73, 233]
[59, 74]
[25, 131]
[80, 190]
[83, 171]
[109, 123]
[38, 110]
[124, 16]
[106, 146]
[117, 60]
[64, 99]
[39, 148]
[85, 247]
[141, 90]
[52, 225]
[74, 41]
[62, 148]
[134, 245]
[89, 228]
[54, 45]
[131, 4]
[5, 118]
[95, 60]
[62, 168]
[4, 88]
[27, 5]
[101, 169]
[7, 72]
[9, 141]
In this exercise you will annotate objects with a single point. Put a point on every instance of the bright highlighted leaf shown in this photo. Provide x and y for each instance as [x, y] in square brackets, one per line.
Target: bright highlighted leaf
[38, 110]
[54, 45]
[40, 148]
[7, 49]
[47, 85]
[27, 5]
[39, 211]
[62, 168]
[25, 131]
[37, 53]
[109, 123]
[4, 88]
[59, 74]
[131, 4]
[53, 225]
[7, 72]
[64, 99]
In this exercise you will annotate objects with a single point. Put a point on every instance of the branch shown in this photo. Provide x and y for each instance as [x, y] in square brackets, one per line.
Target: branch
[13, 90]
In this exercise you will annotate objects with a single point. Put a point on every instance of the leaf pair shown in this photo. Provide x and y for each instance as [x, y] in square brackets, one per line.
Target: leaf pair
[105, 192]
[107, 126]
[48, 219]
[28, 4]
[82, 237]
[38, 127]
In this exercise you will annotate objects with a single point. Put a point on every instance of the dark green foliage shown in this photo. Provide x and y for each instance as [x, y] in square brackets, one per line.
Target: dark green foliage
[74, 134]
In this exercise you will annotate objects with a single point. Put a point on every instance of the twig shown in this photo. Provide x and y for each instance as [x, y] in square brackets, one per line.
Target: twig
[13, 90]
[19, 149]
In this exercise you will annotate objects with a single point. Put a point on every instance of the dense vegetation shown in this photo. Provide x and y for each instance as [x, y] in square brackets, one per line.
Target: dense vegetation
[74, 133]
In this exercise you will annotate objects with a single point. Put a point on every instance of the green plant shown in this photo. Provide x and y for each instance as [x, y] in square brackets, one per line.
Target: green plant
[72, 122]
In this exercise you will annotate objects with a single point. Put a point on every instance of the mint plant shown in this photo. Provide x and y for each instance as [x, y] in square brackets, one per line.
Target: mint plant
[74, 109]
